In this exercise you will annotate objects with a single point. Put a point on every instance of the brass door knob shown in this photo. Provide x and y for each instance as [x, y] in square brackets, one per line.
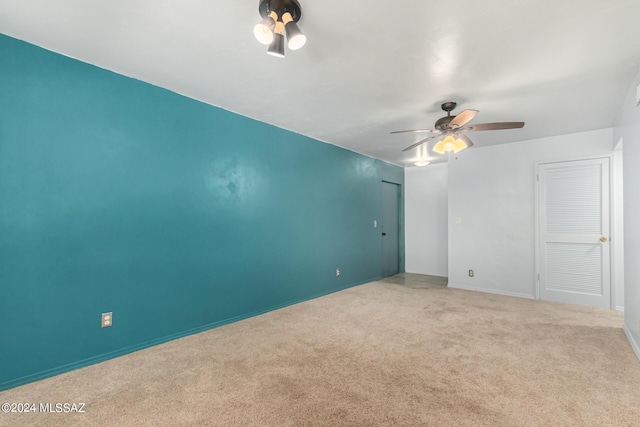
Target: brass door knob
[603, 239]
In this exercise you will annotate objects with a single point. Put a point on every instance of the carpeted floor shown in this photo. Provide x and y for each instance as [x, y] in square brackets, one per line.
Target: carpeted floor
[406, 351]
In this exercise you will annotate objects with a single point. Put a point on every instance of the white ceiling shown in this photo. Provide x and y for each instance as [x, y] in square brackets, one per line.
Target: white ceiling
[369, 67]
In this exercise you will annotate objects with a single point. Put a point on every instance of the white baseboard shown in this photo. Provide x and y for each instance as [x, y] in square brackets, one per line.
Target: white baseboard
[620, 308]
[634, 344]
[493, 291]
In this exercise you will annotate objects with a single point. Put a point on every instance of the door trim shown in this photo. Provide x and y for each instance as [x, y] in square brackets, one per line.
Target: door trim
[612, 227]
[401, 239]
[400, 211]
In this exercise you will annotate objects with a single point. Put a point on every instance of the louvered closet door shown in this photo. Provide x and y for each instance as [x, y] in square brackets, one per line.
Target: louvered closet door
[574, 263]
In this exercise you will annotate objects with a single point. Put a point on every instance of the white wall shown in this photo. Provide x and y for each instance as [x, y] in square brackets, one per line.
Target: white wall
[628, 128]
[426, 219]
[492, 197]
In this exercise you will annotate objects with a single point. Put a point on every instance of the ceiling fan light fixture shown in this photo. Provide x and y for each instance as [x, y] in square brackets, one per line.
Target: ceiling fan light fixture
[459, 145]
[264, 29]
[439, 147]
[449, 143]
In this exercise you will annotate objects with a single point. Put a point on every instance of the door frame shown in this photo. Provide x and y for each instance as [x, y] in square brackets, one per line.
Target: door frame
[612, 226]
[401, 261]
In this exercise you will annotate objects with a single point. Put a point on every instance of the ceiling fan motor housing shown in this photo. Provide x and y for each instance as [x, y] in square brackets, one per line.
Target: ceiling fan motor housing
[443, 123]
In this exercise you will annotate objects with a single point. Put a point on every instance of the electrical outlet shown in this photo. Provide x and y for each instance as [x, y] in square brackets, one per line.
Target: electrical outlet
[470, 273]
[375, 223]
[337, 272]
[107, 319]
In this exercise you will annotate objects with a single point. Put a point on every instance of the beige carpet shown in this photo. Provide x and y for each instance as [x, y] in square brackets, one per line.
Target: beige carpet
[400, 352]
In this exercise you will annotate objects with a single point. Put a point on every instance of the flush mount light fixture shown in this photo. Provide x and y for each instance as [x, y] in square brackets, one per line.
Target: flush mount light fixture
[279, 17]
[421, 163]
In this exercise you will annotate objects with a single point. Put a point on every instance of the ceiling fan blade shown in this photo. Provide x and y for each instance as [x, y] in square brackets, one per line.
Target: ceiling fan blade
[465, 138]
[422, 141]
[416, 130]
[494, 126]
[462, 119]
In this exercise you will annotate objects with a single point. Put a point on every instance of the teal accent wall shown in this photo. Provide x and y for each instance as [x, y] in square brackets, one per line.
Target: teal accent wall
[116, 195]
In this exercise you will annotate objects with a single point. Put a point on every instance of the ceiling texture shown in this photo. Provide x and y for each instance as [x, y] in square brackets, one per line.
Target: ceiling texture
[369, 67]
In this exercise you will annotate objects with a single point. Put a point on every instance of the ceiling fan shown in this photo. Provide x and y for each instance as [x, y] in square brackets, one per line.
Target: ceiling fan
[451, 130]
